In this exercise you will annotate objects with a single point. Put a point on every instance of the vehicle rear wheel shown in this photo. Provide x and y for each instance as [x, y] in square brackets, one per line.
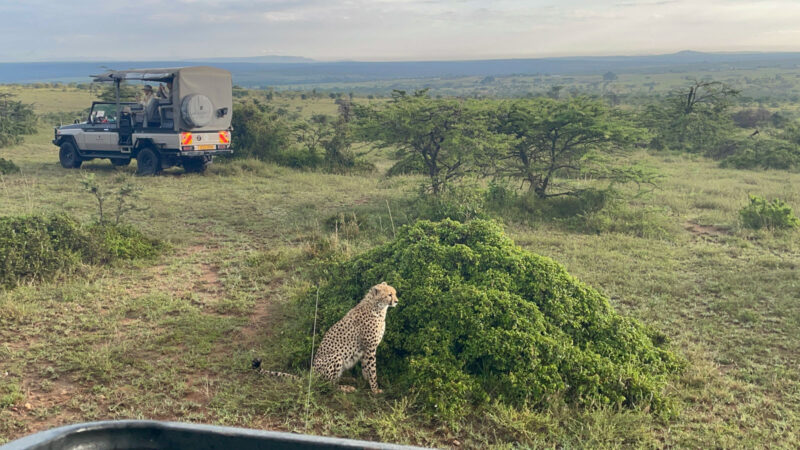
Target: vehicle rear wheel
[195, 165]
[147, 162]
[120, 162]
[68, 156]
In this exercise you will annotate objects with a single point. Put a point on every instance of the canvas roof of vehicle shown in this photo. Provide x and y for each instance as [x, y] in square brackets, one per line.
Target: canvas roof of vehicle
[156, 74]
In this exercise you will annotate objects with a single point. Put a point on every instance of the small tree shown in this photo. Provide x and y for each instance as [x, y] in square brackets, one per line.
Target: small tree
[16, 119]
[124, 193]
[555, 137]
[333, 138]
[313, 133]
[695, 118]
[450, 136]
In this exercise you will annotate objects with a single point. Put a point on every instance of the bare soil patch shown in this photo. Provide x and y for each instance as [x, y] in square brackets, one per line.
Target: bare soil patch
[704, 230]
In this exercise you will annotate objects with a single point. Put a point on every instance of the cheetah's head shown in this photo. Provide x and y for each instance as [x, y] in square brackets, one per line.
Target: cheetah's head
[383, 294]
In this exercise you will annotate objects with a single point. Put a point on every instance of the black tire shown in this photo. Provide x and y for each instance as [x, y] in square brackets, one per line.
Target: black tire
[147, 162]
[68, 156]
[195, 165]
[120, 162]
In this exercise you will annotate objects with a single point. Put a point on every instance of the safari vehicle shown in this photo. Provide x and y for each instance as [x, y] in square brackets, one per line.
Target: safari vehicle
[186, 126]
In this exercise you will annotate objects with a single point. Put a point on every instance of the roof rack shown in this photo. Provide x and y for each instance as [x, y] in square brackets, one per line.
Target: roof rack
[138, 74]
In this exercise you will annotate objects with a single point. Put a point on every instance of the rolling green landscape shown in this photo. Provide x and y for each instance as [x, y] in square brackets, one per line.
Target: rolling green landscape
[655, 218]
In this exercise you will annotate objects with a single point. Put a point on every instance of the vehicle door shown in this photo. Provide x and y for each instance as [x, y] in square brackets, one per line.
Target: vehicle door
[101, 129]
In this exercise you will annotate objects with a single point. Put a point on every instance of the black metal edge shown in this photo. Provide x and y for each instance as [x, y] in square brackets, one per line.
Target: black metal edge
[56, 434]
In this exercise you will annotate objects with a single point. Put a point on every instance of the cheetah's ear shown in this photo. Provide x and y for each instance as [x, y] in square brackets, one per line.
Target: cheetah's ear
[383, 283]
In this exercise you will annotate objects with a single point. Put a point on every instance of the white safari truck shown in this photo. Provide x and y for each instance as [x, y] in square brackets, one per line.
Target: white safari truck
[185, 125]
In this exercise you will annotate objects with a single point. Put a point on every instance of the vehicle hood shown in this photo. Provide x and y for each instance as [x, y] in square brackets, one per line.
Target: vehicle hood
[71, 126]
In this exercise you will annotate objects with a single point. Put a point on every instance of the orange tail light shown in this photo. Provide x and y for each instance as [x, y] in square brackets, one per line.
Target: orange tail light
[186, 138]
[225, 137]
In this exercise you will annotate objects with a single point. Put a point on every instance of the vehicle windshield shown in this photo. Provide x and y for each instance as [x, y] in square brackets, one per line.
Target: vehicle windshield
[103, 113]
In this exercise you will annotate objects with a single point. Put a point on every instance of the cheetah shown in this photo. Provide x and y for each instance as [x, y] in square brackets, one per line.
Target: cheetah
[352, 339]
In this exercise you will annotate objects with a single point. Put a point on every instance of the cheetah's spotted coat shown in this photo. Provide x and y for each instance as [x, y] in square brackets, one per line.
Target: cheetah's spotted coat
[355, 338]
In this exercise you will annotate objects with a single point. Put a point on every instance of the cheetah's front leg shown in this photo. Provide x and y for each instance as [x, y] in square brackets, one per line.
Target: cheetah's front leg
[370, 372]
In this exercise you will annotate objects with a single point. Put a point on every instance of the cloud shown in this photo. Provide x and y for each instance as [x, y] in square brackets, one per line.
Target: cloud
[390, 29]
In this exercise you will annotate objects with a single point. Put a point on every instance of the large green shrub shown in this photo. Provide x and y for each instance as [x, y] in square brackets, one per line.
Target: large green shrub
[481, 319]
[760, 213]
[39, 247]
[258, 132]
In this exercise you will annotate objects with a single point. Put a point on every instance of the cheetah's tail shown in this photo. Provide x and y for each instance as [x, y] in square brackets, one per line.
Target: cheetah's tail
[256, 365]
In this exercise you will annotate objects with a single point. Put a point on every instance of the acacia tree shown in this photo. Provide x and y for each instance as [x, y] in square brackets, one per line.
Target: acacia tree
[694, 118]
[334, 136]
[567, 137]
[450, 137]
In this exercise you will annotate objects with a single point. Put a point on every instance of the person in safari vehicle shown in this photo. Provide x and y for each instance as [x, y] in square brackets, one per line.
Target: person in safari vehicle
[186, 124]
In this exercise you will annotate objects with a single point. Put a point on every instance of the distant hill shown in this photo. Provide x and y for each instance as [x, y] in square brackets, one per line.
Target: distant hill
[278, 70]
[256, 59]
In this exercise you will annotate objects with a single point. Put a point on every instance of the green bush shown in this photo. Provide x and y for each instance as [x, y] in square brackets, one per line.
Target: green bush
[480, 320]
[258, 132]
[771, 215]
[7, 166]
[767, 153]
[456, 202]
[35, 248]
[123, 242]
[16, 119]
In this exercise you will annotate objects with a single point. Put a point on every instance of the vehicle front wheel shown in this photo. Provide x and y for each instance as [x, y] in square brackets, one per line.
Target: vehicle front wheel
[68, 156]
[195, 165]
[147, 162]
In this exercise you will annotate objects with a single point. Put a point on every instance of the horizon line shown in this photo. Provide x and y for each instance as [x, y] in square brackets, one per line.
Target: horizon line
[370, 60]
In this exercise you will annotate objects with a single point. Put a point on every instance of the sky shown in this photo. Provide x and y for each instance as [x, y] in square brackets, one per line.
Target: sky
[389, 30]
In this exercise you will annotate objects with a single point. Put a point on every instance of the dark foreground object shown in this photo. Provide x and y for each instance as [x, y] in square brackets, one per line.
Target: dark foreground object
[153, 435]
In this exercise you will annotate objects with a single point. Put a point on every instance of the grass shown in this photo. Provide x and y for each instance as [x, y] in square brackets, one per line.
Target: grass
[172, 339]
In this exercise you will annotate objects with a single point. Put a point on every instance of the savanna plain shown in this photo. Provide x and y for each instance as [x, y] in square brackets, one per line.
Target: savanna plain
[172, 336]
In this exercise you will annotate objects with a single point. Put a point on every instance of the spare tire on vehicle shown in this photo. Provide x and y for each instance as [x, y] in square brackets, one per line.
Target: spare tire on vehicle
[196, 110]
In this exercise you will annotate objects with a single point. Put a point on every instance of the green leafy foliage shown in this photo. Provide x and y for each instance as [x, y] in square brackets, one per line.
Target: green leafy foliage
[457, 202]
[450, 136]
[482, 320]
[560, 137]
[331, 138]
[322, 142]
[694, 119]
[16, 119]
[39, 248]
[7, 166]
[122, 190]
[258, 132]
[760, 213]
[762, 152]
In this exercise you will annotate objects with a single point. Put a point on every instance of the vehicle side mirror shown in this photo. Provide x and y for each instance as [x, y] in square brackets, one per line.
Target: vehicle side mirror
[222, 112]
